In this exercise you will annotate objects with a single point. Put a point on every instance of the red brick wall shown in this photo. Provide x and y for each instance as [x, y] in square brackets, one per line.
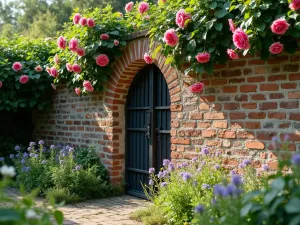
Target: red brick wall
[244, 104]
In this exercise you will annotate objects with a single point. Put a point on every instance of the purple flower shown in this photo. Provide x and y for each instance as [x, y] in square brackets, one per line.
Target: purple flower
[32, 144]
[35, 156]
[286, 137]
[31, 155]
[203, 163]
[217, 167]
[199, 208]
[274, 141]
[29, 149]
[204, 151]
[41, 142]
[52, 147]
[220, 190]
[214, 201]
[166, 162]
[160, 175]
[25, 168]
[184, 164]
[11, 156]
[236, 180]
[232, 172]
[71, 150]
[25, 155]
[151, 182]
[171, 167]
[23, 161]
[166, 173]
[78, 167]
[1, 159]
[194, 159]
[218, 153]
[151, 170]
[44, 161]
[44, 149]
[199, 169]
[296, 159]
[246, 162]
[179, 166]
[206, 186]
[164, 184]
[265, 167]
[186, 176]
[233, 190]
[17, 148]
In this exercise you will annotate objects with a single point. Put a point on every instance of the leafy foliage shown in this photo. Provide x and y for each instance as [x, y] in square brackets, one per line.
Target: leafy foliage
[25, 210]
[36, 93]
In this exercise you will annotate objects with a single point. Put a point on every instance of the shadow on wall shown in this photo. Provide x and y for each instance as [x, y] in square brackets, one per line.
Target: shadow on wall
[16, 129]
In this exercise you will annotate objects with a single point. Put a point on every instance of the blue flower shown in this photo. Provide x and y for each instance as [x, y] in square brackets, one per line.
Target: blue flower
[151, 170]
[32, 144]
[29, 149]
[23, 161]
[194, 159]
[151, 182]
[78, 167]
[166, 162]
[163, 184]
[206, 186]
[218, 153]
[233, 190]
[1, 159]
[17, 155]
[17, 148]
[184, 164]
[186, 176]
[220, 190]
[236, 180]
[25, 155]
[44, 161]
[160, 175]
[41, 142]
[265, 167]
[204, 151]
[232, 172]
[296, 159]
[25, 168]
[171, 167]
[217, 167]
[52, 147]
[199, 208]
[71, 150]
[11, 156]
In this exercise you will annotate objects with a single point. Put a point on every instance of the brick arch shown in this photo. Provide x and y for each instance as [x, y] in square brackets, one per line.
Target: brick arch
[123, 74]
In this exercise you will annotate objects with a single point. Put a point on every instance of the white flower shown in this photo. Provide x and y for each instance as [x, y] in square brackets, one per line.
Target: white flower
[31, 214]
[8, 171]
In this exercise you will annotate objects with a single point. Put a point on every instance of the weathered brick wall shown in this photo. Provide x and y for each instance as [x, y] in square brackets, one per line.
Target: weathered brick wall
[245, 103]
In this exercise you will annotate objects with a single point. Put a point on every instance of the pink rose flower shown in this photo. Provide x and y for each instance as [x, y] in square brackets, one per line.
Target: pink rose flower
[24, 79]
[181, 18]
[69, 67]
[61, 42]
[56, 59]
[77, 91]
[48, 70]
[53, 86]
[88, 86]
[240, 39]
[17, 66]
[116, 42]
[203, 57]
[231, 25]
[295, 5]
[73, 44]
[148, 59]
[76, 18]
[76, 68]
[276, 48]
[83, 21]
[38, 68]
[102, 60]
[128, 6]
[196, 88]
[280, 26]
[53, 72]
[1, 84]
[80, 52]
[232, 54]
[90, 22]
[143, 7]
[171, 38]
[104, 37]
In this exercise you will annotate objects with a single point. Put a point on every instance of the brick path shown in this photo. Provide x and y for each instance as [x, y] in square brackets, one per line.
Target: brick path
[109, 211]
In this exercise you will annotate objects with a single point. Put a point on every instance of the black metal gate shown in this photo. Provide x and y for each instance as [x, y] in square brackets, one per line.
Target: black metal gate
[148, 119]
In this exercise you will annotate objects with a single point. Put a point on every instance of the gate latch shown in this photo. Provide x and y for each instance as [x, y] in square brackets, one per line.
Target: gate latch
[147, 126]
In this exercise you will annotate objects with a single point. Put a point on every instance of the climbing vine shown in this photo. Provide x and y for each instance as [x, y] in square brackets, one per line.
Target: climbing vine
[187, 32]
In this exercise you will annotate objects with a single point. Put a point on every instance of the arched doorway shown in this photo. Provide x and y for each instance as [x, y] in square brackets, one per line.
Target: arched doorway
[148, 120]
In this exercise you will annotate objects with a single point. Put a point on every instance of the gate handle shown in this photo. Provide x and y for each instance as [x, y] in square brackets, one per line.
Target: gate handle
[147, 126]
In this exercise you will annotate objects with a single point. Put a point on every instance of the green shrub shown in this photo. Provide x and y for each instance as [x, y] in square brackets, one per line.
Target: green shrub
[62, 195]
[24, 210]
[152, 215]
